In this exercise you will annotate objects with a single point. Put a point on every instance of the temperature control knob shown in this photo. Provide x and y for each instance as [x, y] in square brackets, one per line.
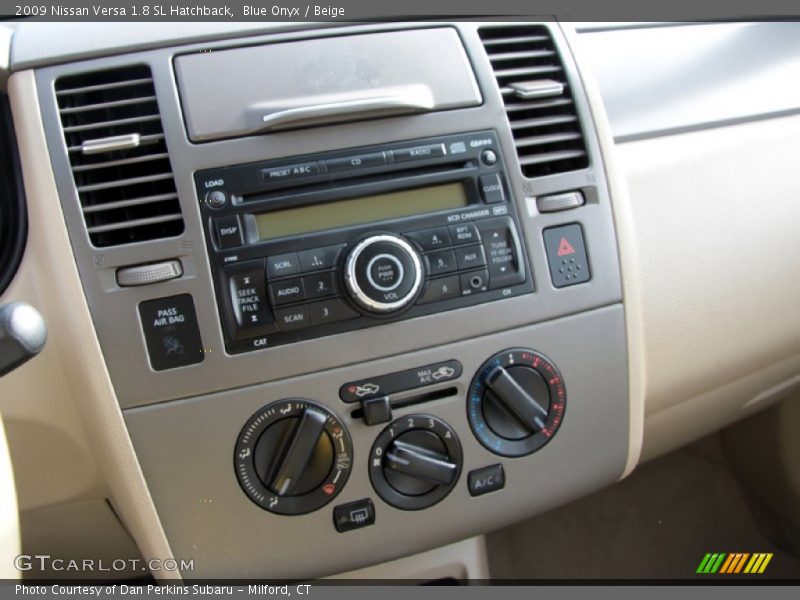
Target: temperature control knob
[293, 457]
[516, 402]
[415, 462]
[383, 273]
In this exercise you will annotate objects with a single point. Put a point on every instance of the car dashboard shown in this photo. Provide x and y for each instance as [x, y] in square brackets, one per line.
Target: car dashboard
[323, 297]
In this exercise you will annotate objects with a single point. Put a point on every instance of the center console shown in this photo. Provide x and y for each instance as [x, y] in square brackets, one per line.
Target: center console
[356, 288]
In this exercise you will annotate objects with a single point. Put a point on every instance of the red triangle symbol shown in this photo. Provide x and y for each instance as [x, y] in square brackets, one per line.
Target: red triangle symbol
[564, 247]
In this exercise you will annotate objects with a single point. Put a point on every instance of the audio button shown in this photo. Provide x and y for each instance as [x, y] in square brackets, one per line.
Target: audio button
[286, 291]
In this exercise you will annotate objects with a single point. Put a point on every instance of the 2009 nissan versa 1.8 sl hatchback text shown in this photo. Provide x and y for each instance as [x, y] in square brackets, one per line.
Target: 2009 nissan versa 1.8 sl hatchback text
[423, 301]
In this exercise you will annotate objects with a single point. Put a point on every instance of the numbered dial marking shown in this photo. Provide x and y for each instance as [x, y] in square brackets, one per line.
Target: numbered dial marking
[516, 402]
[415, 462]
[293, 457]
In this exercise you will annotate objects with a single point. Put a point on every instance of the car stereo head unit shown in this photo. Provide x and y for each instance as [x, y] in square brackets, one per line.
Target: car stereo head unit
[322, 244]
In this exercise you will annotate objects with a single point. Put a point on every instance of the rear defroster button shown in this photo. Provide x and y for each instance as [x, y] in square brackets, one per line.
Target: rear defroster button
[354, 515]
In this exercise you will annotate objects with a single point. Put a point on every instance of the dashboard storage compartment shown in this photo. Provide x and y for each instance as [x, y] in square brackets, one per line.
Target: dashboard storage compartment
[254, 90]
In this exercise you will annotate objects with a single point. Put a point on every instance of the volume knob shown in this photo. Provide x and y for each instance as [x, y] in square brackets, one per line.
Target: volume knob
[383, 273]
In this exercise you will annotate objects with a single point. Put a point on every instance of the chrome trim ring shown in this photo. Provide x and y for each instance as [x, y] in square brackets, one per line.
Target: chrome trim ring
[357, 293]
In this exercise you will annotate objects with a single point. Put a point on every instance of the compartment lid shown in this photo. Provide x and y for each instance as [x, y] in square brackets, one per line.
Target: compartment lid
[258, 89]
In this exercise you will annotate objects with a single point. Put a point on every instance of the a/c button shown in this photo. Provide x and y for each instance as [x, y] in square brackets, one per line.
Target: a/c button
[487, 479]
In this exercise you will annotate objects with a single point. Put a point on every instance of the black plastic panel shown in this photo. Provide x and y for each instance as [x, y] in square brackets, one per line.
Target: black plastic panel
[472, 255]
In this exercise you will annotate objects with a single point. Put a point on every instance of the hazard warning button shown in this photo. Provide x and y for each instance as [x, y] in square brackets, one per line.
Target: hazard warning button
[566, 255]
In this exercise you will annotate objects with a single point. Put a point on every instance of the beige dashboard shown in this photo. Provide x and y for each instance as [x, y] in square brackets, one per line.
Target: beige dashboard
[706, 230]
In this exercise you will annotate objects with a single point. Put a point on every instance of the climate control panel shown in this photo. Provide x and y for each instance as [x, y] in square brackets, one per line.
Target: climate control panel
[294, 456]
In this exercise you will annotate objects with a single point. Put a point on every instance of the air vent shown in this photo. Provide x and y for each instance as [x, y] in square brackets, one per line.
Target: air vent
[13, 214]
[118, 155]
[538, 100]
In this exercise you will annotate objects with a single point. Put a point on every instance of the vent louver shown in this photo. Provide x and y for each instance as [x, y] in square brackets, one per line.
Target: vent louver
[113, 132]
[537, 98]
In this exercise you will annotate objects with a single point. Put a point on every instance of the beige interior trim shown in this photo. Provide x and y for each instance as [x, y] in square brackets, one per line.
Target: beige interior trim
[716, 214]
[466, 559]
[9, 513]
[628, 255]
[72, 337]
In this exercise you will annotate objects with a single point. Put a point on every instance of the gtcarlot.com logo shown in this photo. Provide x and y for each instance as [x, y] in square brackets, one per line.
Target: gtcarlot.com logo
[44, 562]
[734, 563]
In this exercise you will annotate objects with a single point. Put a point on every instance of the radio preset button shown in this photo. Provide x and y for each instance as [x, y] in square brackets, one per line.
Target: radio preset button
[286, 292]
[465, 233]
[283, 265]
[294, 317]
[492, 188]
[229, 232]
[320, 285]
[278, 175]
[361, 161]
[475, 282]
[318, 259]
[330, 311]
[441, 289]
[419, 152]
[441, 262]
[430, 239]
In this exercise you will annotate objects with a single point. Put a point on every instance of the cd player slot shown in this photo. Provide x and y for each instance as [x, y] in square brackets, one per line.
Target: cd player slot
[408, 178]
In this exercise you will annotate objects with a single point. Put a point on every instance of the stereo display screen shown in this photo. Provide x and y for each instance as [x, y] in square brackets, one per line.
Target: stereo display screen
[356, 211]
